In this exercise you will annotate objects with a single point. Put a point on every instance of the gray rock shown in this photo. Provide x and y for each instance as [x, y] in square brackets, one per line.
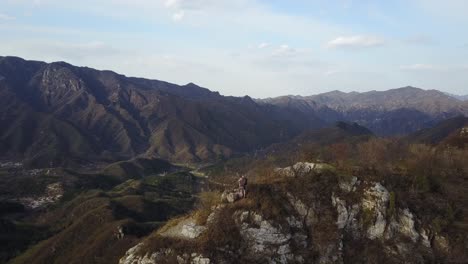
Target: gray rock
[305, 212]
[192, 230]
[120, 232]
[132, 256]
[375, 201]
[185, 229]
[299, 169]
[406, 225]
[230, 196]
[346, 216]
[263, 237]
[199, 259]
[349, 185]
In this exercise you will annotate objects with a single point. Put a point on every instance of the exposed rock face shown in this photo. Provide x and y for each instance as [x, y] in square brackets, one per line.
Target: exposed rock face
[346, 215]
[52, 194]
[192, 230]
[132, 256]
[199, 259]
[230, 196]
[267, 240]
[349, 185]
[404, 226]
[305, 227]
[369, 218]
[185, 229]
[300, 168]
[305, 212]
[374, 206]
[464, 131]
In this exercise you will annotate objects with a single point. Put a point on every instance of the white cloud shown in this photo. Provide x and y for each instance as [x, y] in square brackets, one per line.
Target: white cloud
[357, 41]
[285, 60]
[284, 50]
[171, 3]
[420, 67]
[301, 64]
[263, 45]
[203, 4]
[179, 15]
[181, 7]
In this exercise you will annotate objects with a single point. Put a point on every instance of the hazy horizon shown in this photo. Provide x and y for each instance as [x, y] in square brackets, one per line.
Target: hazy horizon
[182, 84]
[256, 48]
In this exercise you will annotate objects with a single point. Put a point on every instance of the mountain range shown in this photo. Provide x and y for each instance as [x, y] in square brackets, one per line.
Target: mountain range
[459, 97]
[97, 167]
[393, 112]
[60, 114]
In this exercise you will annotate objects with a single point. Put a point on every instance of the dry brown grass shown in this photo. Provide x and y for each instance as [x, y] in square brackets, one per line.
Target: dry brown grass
[207, 200]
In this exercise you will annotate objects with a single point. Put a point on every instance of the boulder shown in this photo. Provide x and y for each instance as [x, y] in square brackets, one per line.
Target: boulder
[185, 229]
[299, 169]
[230, 196]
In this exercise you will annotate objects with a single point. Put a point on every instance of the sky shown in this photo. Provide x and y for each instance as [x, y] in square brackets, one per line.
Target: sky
[261, 48]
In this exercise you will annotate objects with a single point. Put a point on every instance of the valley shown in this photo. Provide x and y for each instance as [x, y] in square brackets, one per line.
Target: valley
[97, 167]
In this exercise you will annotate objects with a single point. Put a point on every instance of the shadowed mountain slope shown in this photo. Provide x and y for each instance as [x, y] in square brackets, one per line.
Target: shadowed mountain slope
[65, 114]
[393, 112]
[448, 131]
[59, 114]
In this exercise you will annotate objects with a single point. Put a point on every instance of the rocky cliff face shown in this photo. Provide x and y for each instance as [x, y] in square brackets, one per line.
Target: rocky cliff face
[310, 216]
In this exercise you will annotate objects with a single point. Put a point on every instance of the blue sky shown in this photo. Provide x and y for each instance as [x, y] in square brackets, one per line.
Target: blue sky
[262, 48]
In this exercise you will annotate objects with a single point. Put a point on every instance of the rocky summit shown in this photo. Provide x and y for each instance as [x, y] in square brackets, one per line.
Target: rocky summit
[98, 167]
[289, 222]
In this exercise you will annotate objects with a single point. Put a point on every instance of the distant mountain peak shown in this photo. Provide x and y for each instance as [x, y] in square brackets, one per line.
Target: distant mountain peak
[353, 128]
[458, 97]
[335, 92]
[191, 84]
[68, 114]
[410, 87]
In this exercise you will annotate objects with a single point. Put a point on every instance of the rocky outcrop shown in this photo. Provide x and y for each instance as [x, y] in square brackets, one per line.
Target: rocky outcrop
[52, 194]
[184, 229]
[374, 206]
[269, 240]
[300, 168]
[230, 196]
[132, 256]
[302, 226]
[369, 219]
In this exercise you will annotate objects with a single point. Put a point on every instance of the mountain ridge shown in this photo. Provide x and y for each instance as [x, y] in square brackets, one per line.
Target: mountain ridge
[119, 117]
[393, 112]
[64, 114]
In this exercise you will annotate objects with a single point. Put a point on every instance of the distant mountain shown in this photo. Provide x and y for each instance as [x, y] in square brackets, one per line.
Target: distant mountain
[459, 97]
[58, 113]
[339, 132]
[393, 112]
[444, 131]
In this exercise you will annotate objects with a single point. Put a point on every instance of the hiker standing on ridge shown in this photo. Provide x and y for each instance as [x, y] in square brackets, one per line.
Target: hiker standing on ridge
[242, 186]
